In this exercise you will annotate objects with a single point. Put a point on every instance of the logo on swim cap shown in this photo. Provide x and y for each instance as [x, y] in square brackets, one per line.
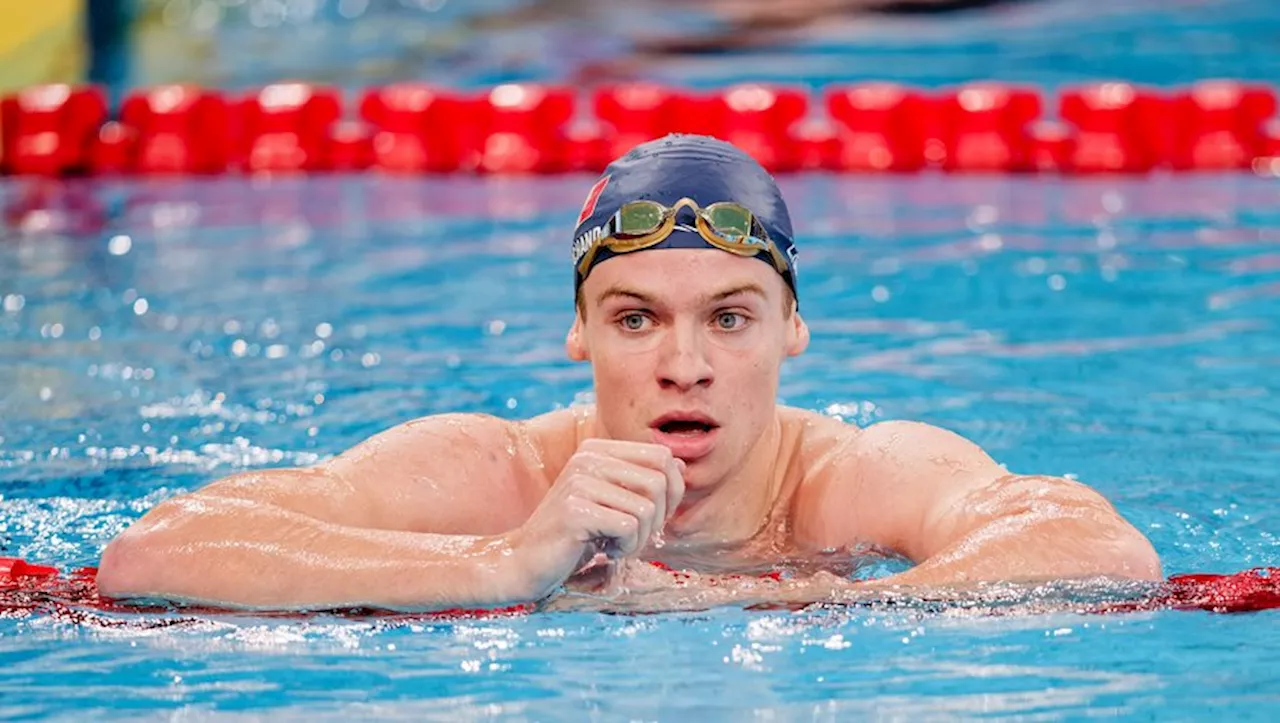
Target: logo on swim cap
[593, 198]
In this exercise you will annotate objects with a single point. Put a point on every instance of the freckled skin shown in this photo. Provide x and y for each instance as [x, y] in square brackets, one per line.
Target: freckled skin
[433, 513]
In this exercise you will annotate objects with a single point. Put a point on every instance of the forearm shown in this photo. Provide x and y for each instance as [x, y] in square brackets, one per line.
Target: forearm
[1072, 534]
[240, 553]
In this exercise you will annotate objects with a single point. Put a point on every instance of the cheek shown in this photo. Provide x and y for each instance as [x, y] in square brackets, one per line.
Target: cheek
[752, 370]
[617, 366]
[616, 374]
[752, 387]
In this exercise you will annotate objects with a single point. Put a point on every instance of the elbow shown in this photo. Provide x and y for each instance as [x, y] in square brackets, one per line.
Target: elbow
[1138, 559]
[1124, 552]
[139, 560]
[124, 567]
[1114, 546]
[151, 558]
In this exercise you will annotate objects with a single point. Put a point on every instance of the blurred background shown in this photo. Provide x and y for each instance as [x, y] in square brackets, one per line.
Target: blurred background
[235, 44]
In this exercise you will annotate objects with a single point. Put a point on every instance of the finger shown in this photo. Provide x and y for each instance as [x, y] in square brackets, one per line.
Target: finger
[651, 484]
[675, 486]
[619, 530]
[607, 494]
[645, 454]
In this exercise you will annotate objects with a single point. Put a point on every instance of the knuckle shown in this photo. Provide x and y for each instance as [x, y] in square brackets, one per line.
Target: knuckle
[656, 480]
[647, 508]
[649, 484]
[577, 460]
[600, 446]
[662, 453]
[577, 482]
[589, 460]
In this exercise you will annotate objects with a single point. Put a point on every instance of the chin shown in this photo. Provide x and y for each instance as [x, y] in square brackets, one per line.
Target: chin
[703, 473]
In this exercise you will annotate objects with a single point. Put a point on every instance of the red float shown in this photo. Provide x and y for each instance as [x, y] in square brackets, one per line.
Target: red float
[818, 145]
[1118, 127]
[634, 113]
[1052, 146]
[1218, 125]
[285, 127]
[761, 119]
[418, 128]
[880, 127]
[112, 149]
[986, 128]
[178, 129]
[350, 146]
[526, 129]
[47, 130]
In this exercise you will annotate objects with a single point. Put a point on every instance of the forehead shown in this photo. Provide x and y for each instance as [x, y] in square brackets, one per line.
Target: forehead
[680, 275]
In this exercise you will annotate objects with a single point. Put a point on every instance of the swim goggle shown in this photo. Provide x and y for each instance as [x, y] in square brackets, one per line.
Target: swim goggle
[725, 225]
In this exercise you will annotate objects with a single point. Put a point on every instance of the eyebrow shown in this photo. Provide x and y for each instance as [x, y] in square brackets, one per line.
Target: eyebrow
[623, 292]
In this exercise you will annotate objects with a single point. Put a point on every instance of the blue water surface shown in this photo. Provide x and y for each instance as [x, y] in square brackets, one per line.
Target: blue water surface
[356, 43]
[158, 335]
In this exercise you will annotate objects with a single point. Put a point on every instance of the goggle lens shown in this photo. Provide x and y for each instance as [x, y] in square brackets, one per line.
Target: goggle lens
[727, 225]
[730, 221]
[639, 218]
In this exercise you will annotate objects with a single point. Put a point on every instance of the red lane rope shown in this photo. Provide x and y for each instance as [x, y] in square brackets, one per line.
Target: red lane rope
[27, 589]
[420, 128]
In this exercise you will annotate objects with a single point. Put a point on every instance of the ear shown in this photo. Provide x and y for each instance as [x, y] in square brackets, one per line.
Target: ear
[797, 334]
[574, 345]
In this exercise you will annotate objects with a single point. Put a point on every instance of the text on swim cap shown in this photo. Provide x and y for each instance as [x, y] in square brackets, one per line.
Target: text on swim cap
[583, 243]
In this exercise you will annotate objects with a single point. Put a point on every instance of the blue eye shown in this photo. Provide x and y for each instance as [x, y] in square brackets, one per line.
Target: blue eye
[633, 322]
[729, 320]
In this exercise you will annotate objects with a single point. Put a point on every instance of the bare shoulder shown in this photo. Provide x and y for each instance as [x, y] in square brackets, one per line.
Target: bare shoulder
[816, 435]
[474, 438]
[853, 475]
[468, 460]
[909, 446]
[837, 447]
[555, 437]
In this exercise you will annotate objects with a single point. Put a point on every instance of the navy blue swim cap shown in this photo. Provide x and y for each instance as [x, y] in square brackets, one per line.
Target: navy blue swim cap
[668, 169]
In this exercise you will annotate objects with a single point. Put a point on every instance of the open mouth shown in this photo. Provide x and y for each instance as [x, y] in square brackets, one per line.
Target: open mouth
[685, 426]
[685, 423]
[689, 435]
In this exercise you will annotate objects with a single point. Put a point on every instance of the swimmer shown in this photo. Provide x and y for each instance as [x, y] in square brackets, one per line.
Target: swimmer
[686, 294]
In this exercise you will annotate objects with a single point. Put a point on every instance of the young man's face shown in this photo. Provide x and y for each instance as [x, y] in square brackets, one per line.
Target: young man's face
[686, 346]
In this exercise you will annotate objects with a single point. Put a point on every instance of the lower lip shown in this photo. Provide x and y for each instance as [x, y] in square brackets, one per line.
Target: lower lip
[688, 447]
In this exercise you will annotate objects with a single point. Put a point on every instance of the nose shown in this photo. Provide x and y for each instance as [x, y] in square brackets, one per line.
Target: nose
[684, 365]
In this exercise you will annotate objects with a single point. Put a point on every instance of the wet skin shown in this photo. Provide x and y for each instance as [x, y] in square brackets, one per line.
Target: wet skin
[686, 458]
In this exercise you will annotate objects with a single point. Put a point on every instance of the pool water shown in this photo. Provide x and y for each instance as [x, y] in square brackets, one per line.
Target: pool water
[156, 336]
[356, 43]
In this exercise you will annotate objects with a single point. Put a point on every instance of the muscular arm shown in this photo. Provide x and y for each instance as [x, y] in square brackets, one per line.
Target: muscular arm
[353, 531]
[944, 503]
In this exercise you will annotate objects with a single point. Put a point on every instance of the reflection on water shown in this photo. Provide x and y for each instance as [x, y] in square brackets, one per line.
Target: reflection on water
[156, 336]
[188, 329]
